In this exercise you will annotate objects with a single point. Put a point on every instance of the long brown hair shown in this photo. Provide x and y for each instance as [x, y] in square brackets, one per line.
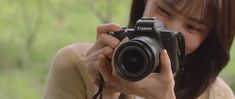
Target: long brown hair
[204, 64]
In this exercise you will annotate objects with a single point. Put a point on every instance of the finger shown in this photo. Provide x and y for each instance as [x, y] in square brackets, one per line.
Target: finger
[104, 40]
[109, 40]
[91, 50]
[92, 70]
[105, 69]
[126, 39]
[165, 63]
[96, 82]
[106, 51]
[105, 28]
[92, 61]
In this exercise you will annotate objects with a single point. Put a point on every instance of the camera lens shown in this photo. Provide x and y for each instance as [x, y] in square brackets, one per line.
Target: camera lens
[135, 59]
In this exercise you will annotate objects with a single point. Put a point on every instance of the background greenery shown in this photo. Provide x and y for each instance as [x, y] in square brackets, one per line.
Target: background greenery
[32, 31]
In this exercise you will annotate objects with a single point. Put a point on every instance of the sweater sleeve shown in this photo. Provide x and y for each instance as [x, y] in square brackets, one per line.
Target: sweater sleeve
[68, 78]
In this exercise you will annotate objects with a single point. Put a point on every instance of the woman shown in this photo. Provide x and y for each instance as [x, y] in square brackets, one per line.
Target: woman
[208, 27]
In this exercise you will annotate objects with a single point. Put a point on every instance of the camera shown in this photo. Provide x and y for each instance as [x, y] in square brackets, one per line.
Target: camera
[137, 58]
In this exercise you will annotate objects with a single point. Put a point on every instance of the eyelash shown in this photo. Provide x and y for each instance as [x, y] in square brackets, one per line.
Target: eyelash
[192, 28]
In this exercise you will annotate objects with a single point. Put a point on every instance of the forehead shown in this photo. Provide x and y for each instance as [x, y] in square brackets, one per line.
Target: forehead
[197, 10]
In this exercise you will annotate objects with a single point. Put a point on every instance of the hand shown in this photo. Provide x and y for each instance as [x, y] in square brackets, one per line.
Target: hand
[154, 86]
[105, 45]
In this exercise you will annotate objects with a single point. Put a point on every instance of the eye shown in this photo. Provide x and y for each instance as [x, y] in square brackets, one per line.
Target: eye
[192, 28]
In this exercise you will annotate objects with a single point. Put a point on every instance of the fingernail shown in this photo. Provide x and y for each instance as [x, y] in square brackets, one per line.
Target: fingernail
[164, 51]
[126, 39]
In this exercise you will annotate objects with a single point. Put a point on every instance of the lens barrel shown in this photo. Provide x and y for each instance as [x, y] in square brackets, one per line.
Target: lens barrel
[137, 58]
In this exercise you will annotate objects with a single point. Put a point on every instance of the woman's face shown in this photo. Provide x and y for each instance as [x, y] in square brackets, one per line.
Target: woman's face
[194, 32]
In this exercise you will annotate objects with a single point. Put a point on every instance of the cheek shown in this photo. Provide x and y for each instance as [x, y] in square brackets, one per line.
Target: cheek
[192, 42]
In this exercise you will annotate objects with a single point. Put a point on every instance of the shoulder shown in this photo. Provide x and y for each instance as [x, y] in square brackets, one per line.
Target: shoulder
[70, 60]
[221, 89]
[71, 54]
[68, 77]
[218, 90]
[76, 49]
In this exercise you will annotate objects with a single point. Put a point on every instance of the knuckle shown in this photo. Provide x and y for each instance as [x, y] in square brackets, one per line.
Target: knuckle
[102, 37]
[108, 79]
[90, 51]
[99, 27]
[112, 24]
[168, 79]
[107, 50]
[90, 59]
[89, 67]
[93, 72]
[115, 74]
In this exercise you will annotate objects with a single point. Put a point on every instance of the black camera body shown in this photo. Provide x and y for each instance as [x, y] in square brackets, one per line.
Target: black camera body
[137, 58]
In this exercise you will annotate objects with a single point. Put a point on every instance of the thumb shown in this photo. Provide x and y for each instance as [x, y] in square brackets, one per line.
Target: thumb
[165, 63]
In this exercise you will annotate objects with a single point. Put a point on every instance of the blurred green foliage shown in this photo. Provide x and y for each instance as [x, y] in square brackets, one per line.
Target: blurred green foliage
[32, 31]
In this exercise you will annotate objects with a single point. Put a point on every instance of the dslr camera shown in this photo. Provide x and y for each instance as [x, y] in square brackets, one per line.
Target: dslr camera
[137, 58]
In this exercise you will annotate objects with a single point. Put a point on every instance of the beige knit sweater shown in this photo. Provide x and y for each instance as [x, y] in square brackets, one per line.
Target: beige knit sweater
[68, 78]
